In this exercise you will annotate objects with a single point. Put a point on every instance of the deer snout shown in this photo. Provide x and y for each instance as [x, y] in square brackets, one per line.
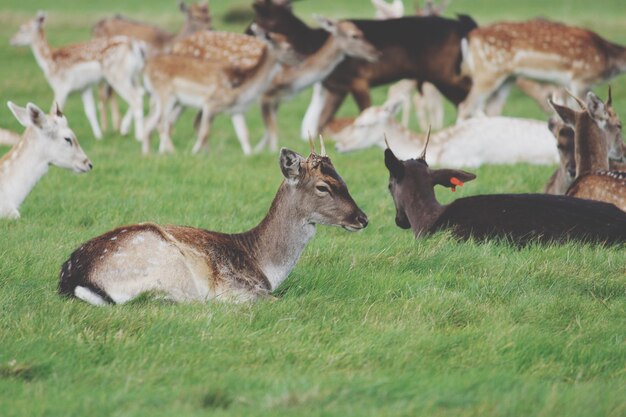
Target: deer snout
[358, 221]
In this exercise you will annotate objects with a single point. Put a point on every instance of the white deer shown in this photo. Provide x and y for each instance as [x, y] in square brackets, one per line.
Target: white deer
[484, 140]
[79, 67]
[48, 140]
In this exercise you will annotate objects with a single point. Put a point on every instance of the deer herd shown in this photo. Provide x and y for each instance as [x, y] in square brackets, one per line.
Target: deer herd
[429, 58]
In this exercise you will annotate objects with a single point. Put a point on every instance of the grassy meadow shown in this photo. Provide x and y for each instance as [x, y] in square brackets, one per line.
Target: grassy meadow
[367, 324]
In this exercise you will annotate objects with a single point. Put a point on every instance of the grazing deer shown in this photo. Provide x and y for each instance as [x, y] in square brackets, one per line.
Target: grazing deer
[520, 218]
[212, 87]
[79, 67]
[572, 57]
[422, 48]
[486, 140]
[598, 139]
[48, 140]
[190, 264]
[8, 138]
[156, 40]
[345, 40]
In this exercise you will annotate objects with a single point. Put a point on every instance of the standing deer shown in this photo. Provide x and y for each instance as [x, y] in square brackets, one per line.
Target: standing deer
[48, 140]
[210, 86]
[575, 58]
[156, 40]
[190, 264]
[598, 138]
[79, 67]
[520, 218]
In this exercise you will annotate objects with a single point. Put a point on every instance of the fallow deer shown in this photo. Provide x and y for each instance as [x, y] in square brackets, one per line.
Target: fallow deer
[519, 218]
[190, 264]
[564, 175]
[572, 57]
[598, 139]
[79, 67]
[8, 138]
[48, 140]
[212, 87]
[493, 140]
[156, 40]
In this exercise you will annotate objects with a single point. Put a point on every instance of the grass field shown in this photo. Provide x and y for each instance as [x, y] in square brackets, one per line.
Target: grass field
[367, 324]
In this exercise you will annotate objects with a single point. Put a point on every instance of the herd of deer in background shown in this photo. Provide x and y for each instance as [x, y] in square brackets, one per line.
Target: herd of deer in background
[428, 56]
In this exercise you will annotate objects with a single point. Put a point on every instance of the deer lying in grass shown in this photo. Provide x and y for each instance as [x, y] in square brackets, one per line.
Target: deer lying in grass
[575, 58]
[564, 175]
[520, 218]
[493, 140]
[212, 87]
[190, 264]
[156, 39]
[597, 139]
[8, 138]
[81, 66]
[48, 140]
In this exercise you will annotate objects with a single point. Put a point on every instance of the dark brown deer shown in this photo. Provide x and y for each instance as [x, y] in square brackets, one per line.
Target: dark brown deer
[520, 218]
[421, 48]
[191, 264]
[598, 139]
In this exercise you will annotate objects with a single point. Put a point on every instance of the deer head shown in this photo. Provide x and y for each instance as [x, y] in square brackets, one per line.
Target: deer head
[349, 38]
[565, 144]
[27, 33]
[430, 9]
[321, 192]
[56, 140]
[197, 16]
[277, 45]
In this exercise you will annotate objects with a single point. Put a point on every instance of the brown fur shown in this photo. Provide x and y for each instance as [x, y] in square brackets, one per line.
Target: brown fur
[607, 186]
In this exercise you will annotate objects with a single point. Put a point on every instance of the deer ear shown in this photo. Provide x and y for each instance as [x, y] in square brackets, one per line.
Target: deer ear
[290, 163]
[451, 177]
[327, 24]
[56, 110]
[393, 164]
[30, 115]
[596, 107]
[40, 18]
[393, 107]
[565, 113]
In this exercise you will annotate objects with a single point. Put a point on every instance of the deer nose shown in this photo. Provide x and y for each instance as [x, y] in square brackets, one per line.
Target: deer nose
[88, 163]
[361, 218]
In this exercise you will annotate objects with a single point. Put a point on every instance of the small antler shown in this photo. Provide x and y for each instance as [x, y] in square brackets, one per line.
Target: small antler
[386, 141]
[610, 99]
[423, 155]
[322, 147]
[580, 103]
[311, 144]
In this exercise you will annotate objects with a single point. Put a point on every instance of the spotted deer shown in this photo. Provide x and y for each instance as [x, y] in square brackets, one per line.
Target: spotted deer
[197, 18]
[189, 264]
[8, 138]
[598, 139]
[518, 218]
[48, 140]
[493, 140]
[79, 67]
[575, 58]
[212, 87]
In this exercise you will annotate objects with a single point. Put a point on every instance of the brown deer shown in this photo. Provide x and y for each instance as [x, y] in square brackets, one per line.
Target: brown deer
[156, 39]
[598, 139]
[520, 218]
[564, 175]
[191, 264]
[575, 58]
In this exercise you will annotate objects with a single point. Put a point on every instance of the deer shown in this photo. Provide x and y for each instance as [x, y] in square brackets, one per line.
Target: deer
[155, 39]
[487, 140]
[598, 139]
[572, 57]
[345, 40]
[422, 48]
[564, 175]
[48, 140]
[187, 264]
[212, 87]
[8, 138]
[517, 218]
[79, 67]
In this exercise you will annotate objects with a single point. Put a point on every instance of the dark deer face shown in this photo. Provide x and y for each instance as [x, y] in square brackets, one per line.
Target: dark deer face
[411, 184]
[274, 15]
[321, 193]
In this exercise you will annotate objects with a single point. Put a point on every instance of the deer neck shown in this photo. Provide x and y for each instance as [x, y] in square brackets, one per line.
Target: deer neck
[591, 150]
[21, 168]
[43, 53]
[278, 241]
[259, 81]
[424, 210]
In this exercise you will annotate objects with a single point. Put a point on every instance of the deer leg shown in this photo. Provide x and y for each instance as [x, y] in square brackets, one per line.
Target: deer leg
[475, 102]
[90, 111]
[151, 123]
[239, 123]
[133, 95]
[115, 109]
[361, 92]
[102, 106]
[313, 112]
[203, 130]
[165, 125]
[495, 103]
[268, 110]
[331, 105]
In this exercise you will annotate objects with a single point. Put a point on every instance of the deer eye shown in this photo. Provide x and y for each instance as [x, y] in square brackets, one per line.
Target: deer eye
[322, 189]
[68, 140]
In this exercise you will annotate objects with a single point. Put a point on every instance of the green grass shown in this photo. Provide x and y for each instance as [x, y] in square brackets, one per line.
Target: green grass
[367, 324]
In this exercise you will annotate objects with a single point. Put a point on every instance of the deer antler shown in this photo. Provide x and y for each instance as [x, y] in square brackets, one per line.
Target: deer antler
[423, 155]
[610, 99]
[311, 144]
[580, 103]
[386, 141]
[322, 147]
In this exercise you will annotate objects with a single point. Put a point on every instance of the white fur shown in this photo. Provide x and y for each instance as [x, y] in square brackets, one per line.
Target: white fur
[311, 119]
[89, 296]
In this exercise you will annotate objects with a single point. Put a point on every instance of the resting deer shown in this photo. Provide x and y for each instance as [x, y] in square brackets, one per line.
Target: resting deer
[598, 139]
[190, 264]
[345, 40]
[48, 140]
[156, 40]
[81, 66]
[8, 138]
[486, 140]
[572, 57]
[520, 218]
[564, 175]
[211, 87]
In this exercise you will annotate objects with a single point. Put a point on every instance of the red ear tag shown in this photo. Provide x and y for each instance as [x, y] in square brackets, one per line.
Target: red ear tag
[453, 188]
[456, 181]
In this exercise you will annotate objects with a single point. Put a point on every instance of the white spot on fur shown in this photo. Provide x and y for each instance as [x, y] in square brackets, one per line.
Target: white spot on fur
[89, 296]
